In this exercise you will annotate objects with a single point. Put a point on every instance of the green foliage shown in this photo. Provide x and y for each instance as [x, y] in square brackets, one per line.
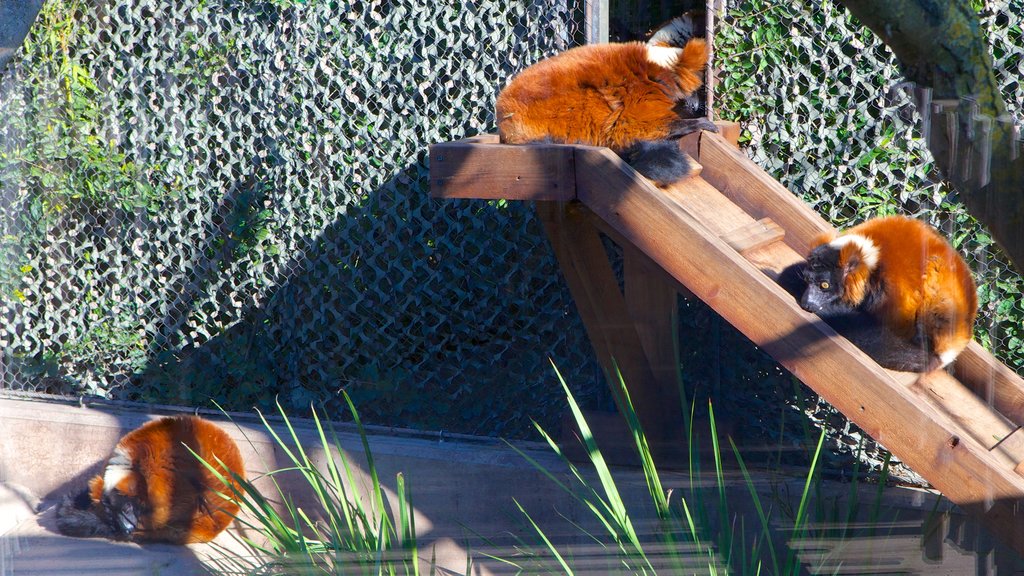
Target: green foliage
[67, 158]
[228, 199]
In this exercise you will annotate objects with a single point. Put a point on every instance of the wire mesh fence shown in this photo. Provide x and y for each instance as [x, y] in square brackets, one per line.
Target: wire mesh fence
[228, 200]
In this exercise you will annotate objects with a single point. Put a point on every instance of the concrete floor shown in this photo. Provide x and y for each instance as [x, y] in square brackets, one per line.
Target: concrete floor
[464, 489]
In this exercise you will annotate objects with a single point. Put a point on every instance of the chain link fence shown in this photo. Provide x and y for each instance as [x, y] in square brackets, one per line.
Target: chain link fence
[228, 200]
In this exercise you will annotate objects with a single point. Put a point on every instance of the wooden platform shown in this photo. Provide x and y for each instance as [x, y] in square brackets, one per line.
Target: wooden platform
[723, 235]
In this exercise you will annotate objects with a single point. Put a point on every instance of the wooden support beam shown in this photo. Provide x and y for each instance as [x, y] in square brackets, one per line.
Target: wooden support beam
[649, 264]
[653, 306]
[481, 168]
[603, 309]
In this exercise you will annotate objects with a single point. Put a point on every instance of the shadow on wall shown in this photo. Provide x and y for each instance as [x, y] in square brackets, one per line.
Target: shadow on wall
[416, 307]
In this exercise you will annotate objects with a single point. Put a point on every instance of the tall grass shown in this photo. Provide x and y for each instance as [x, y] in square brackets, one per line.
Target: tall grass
[344, 533]
[696, 529]
[702, 531]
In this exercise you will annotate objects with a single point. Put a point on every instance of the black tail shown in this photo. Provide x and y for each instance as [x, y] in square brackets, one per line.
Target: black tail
[661, 161]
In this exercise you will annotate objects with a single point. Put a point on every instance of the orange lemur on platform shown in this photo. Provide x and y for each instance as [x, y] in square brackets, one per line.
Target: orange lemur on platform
[896, 288]
[634, 98]
[153, 489]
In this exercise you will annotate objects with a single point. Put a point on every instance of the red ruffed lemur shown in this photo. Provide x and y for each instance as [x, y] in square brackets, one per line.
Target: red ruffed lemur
[153, 489]
[632, 97]
[897, 289]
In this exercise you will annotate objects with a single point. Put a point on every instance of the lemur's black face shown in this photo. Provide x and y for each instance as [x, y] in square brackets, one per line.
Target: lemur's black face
[121, 513]
[824, 278]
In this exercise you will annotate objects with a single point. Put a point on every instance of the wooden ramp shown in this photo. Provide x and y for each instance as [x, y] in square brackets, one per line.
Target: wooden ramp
[723, 236]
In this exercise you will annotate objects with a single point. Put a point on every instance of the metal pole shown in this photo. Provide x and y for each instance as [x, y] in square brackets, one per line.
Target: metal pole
[595, 21]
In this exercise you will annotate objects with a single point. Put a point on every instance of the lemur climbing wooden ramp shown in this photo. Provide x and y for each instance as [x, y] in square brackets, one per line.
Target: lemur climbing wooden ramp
[723, 235]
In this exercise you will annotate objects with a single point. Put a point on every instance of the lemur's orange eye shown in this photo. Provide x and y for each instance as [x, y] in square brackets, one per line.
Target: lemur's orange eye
[824, 285]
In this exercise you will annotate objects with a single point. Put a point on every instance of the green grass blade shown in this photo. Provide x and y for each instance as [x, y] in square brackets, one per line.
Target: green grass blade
[765, 526]
[547, 542]
[800, 520]
[651, 477]
[378, 492]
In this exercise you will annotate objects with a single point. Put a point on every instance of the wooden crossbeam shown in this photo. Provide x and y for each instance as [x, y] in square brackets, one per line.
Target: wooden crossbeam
[750, 237]
[479, 167]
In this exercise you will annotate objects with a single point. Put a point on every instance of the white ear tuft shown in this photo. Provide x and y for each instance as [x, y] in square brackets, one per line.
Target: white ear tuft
[868, 250]
[664, 56]
[118, 467]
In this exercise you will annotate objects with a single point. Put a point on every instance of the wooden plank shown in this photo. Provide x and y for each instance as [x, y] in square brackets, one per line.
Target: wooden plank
[915, 431]
[653, 305]
[595, 290]
[992, 381]
[702, 201]
[975, 417]
[480, 139]
[750, 237]
[621, 240]
[757, 193]
[481, 168]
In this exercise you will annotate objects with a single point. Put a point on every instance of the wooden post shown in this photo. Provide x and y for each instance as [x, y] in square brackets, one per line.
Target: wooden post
[615, 336]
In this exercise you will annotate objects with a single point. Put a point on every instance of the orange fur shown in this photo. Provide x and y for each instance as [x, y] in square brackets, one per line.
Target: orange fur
[857, 277]
[178, 495]
[601, 94]
[927, 288]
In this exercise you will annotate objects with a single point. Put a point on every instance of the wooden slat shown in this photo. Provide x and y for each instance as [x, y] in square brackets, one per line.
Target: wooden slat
[975, 417]
[992, 381]
[760, 195]
[915, 431]
[751, 237]
[482, 168]
[702, 201]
